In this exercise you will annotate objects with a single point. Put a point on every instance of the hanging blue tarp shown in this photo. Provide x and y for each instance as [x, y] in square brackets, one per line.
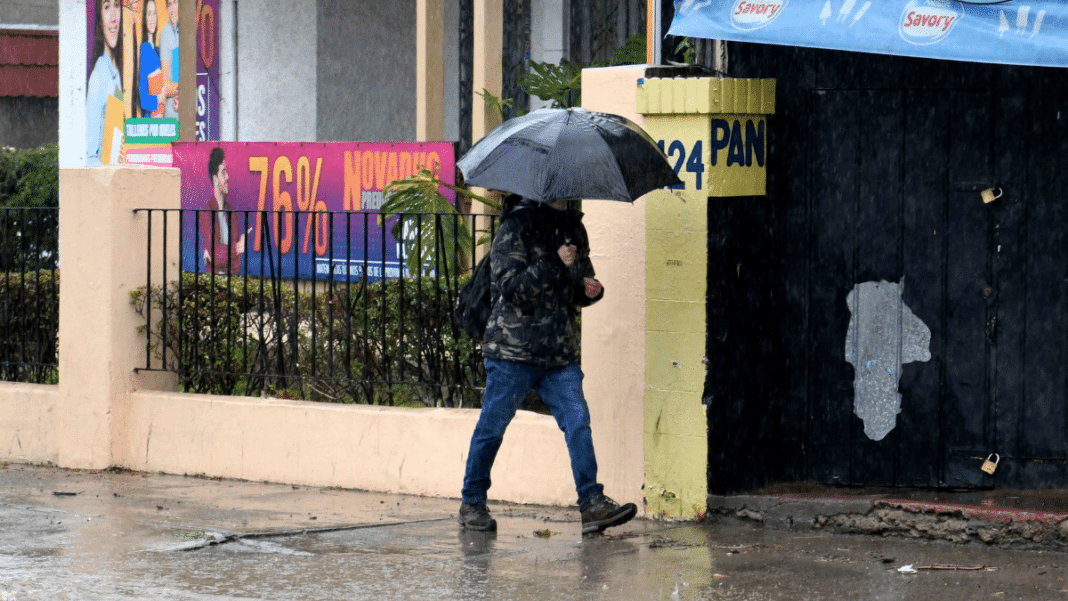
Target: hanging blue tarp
[1017, 32]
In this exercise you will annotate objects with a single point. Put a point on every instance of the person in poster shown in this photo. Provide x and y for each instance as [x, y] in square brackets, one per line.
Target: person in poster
[168, 47]
[218, 224]
[103, 94]
[153, 87]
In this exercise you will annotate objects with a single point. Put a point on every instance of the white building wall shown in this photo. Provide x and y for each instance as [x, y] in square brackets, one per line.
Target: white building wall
[548, 36]
[276, 67]
[366, 51]
[29, 12]
[72, 69]
[228, 70]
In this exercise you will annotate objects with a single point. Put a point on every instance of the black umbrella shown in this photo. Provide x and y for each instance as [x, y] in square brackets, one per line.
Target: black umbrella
[568, 154]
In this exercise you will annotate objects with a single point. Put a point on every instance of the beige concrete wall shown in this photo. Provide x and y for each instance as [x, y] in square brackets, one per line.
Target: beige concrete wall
[27, 412]
[613, 330]
[105, 414]
[410, 451]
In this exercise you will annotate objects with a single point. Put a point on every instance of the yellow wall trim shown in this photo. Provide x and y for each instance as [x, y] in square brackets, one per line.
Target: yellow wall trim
[705, 95]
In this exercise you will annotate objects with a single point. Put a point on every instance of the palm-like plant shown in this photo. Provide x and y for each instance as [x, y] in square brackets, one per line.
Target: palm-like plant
[434, 236]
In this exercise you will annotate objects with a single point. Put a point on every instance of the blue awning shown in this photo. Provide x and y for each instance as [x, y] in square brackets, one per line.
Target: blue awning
[1016, 32]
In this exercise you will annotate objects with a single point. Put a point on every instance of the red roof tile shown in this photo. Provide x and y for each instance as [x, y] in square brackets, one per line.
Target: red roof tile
[29, 62]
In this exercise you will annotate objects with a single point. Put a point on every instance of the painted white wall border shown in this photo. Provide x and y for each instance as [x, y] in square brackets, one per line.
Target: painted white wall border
[72, 69]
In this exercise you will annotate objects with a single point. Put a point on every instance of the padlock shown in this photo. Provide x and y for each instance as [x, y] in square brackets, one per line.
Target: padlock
[989, 196]
[989, 466]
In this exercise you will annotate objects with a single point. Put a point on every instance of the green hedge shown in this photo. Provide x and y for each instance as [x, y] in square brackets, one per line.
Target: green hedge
[29, 234]
[389, 343]
[29, 326]
[29, 177]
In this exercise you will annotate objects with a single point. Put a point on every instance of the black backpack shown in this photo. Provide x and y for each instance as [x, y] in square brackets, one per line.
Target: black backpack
[473, 302]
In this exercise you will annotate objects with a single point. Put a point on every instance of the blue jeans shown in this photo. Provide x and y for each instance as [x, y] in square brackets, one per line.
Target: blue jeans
[507, 382]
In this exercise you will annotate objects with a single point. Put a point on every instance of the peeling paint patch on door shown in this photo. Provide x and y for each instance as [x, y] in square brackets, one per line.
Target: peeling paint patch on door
[883, 335]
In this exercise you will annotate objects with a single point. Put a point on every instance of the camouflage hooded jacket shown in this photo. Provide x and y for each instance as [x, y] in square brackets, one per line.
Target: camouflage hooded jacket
[535, 296]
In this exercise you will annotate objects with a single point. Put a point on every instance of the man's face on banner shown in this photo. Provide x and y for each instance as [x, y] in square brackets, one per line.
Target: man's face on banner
[222, 180]
[172, 11]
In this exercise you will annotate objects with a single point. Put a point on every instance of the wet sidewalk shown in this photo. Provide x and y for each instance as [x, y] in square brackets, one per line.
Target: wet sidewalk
[67, 534]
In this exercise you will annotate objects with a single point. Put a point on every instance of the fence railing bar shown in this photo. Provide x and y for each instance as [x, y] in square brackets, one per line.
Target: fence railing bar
[10, 250]
[309, 230]
[244, 321]
[148, 291]
[22, 310]
[197, 288]
[295, 327]
[366, 312]
[401, 264]
[180, 318]
[439, 257]
[386, 356]
[421, 342]
[164, 297]
[276, 291]
[348, 295]
[332, 270]
[456, 284]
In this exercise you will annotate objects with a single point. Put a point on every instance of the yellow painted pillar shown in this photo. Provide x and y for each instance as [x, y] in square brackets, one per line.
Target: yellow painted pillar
[714, 133]
[429, 80]
[486, 74]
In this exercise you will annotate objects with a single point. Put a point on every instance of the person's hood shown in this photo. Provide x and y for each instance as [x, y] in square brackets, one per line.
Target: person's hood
[518, 206]
[538, 220]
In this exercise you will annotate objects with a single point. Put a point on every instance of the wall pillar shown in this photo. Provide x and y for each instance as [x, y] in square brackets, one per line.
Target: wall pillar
[486, 75]
[102, 246]
[714, 131]
[429, 78]
[643, 346]
[613, 330]
[187, 72]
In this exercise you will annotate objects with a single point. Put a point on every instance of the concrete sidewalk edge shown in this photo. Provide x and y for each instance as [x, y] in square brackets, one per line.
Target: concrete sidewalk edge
[901, 518]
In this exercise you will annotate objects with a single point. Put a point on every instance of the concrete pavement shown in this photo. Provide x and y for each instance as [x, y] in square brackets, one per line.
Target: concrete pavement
[67, 534]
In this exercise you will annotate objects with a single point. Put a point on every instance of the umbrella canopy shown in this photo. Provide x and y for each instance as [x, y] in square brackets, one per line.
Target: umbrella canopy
[568, 154]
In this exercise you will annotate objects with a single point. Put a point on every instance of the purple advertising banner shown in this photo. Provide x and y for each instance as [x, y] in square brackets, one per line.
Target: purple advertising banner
[307, 210]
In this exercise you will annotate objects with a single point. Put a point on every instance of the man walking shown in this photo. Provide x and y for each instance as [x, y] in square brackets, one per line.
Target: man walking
[541, 275]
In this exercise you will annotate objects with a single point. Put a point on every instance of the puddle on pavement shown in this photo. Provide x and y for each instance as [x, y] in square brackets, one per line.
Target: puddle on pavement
[440, 560]
[259, 546]
[116, 559]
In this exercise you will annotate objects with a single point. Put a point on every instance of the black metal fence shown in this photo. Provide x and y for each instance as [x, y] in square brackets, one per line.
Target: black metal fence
[360, 318]
[29, 294]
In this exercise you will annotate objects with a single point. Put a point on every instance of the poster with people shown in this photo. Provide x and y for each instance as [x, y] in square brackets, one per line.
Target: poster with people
[133, 73]
[307, 210]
